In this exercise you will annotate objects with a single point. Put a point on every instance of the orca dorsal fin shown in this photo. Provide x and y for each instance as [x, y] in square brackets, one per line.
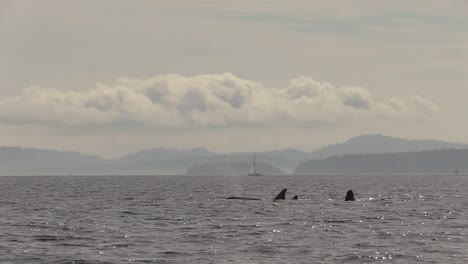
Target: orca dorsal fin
[281, 195]
[295, 197]
[350, 196]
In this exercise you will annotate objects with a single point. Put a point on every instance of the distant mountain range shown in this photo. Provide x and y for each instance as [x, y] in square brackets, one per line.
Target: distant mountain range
[166, 161]
[373, 143]
[442, 161]
[25, 161]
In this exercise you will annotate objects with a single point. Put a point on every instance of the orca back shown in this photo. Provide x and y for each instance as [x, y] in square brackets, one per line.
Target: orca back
[242, 198]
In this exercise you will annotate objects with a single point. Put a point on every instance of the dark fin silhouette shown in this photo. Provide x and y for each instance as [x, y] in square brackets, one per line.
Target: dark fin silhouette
[281, 195]
[350, 196]
[242, 198]
[295, 197]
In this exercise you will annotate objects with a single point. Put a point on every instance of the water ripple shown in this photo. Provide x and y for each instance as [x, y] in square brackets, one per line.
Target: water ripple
[396, 219]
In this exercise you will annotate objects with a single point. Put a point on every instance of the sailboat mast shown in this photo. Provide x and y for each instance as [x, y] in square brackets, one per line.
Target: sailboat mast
[254, 168]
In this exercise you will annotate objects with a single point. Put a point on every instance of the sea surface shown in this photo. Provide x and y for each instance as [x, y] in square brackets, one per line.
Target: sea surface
[186, 219]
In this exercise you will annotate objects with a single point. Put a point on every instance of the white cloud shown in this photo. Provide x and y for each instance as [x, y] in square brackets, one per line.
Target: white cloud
[206, 100]
[409, 108]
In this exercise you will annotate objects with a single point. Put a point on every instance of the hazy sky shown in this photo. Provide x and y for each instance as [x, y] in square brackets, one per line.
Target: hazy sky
[112, 77]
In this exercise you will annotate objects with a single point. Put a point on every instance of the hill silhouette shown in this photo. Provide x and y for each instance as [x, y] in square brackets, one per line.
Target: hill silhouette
[167, 161]
[445, 161]
[375, 143]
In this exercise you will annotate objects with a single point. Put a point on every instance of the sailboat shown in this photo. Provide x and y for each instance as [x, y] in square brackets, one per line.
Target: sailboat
[253, 169]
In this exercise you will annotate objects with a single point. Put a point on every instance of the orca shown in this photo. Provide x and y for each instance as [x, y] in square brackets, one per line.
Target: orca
[280, 196]
[350, 196]
[242, 198]
[295, 197]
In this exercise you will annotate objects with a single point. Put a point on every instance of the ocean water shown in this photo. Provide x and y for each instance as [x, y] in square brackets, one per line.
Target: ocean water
[186, 219]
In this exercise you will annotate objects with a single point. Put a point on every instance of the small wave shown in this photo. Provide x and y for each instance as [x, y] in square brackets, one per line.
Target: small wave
[150, 204]
[157, 218]
[81, 261]
[120, 245]
[337, 221]
[67, 244]
[173, 253]
[45, 238]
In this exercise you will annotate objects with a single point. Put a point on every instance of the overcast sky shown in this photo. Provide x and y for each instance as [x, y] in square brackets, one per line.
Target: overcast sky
[112, 77]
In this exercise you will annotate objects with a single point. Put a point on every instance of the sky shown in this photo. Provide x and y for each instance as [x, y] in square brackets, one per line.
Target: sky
[114, 77]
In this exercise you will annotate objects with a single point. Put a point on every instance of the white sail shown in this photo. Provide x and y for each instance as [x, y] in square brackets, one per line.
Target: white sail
[253, 169]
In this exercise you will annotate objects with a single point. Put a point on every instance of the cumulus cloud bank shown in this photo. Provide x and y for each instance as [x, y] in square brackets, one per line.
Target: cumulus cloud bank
[206, 100]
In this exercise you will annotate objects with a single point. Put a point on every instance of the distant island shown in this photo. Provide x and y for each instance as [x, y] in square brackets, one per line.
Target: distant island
[231, 169]
[199, 161]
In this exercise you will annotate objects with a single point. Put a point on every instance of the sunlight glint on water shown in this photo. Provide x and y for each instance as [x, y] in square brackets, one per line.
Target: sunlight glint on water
[397, 219]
